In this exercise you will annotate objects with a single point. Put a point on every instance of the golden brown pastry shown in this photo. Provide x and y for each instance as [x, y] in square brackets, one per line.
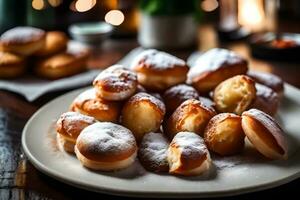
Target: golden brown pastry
[270, 80]
[158, 70]
[62, 65]
[143, 113]
[176, 95]
[106, 146]
[56, 42]
[215, 66]
[11, 65]
[68, 127]
[23, 40]
[115, 83]
[266, 100]
[224, 134]
[192, 115]
[235, 94]
[188, 155]
[265, 134]
[88, 104]
[153, 152]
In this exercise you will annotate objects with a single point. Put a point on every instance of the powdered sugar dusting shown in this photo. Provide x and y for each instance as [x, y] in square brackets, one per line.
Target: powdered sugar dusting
[157, 60]
[183, 91]
[154, 148]
[86, 95]
[190, 143]
[21, 34]
[73, 123]
[141, 96]
[212, 60]
[107, 137]
[117, 77]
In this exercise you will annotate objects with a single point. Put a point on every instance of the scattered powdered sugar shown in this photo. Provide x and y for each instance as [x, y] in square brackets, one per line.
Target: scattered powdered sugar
[211, 61]
[73, 123]
[142, 96]
[182, 91]
[190, 143]
[265, 92]
[107, 137]
[21, 34]
[86, 95]
[157, 60]
[117, 77]
[154, 148]
[268, 79]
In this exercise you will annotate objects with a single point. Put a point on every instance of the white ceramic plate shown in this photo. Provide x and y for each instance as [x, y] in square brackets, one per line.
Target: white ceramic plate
[232, 175]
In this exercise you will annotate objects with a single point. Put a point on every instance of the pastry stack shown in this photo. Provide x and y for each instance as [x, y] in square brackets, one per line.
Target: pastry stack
[46, 52]
[171, 116]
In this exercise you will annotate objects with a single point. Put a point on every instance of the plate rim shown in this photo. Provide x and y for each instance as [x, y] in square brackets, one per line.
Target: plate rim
[123, 192]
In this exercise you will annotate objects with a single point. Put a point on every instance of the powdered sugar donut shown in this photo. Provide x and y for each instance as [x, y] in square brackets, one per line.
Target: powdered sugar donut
[88, 103]
[115, 83]
[265, 134]
[106, 146]
[188, 155]
[69, 125]
[153, 152]
[215, 66]
[158, 70]
[23, 40]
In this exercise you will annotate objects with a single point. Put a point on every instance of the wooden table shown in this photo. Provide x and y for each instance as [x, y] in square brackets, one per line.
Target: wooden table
[20, 180]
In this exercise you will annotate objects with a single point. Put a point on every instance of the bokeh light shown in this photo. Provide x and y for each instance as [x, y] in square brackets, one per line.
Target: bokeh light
[38, 4]
[54, 3]
[114, 17]
[209, 5]
[84, 5]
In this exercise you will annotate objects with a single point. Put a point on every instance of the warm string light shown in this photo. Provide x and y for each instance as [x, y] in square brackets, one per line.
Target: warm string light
[209, 5]
[84, 5]
[38, 4]
[54, 3]
[114, 17]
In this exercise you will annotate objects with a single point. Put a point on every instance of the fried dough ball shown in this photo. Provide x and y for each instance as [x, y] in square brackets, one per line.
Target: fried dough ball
[267, 100]
[176, 95]
[88, 103]
[143, 113]
[265, 134]
[192, 115]
[270, 80]
[153, 152]
[188, 155]
[23, 40]
[115, 83]
[106, 146]
[158, 70]
[215, 66]
[224, 134]
[68, 127]
[235, 94]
